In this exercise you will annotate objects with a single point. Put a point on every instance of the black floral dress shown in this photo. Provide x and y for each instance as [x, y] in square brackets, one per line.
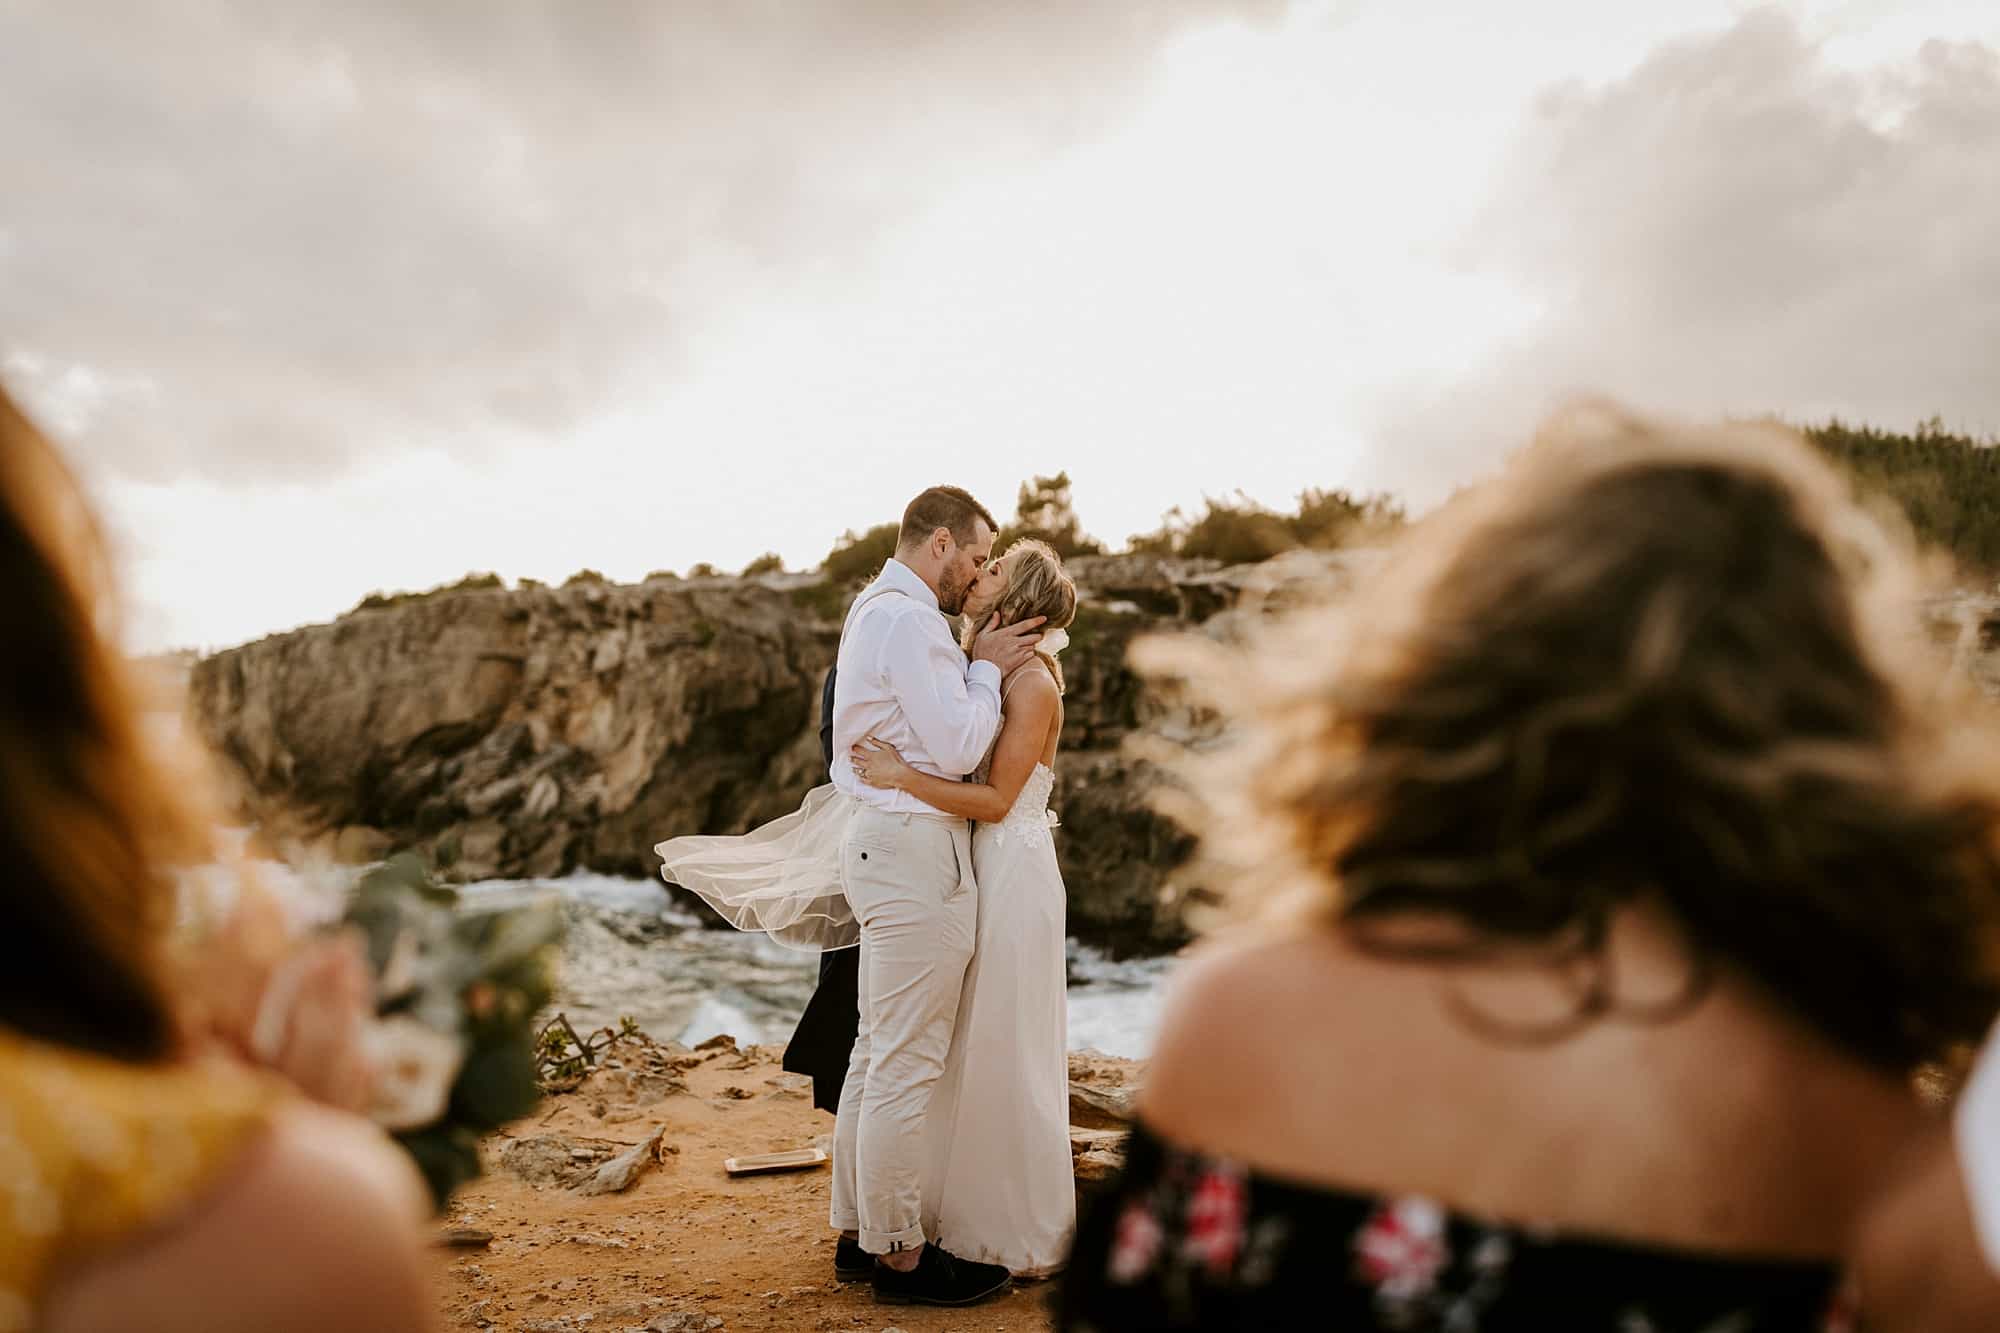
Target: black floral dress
[1185, 1241]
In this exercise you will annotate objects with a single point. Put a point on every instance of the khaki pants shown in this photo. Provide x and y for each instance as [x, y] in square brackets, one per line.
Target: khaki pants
[909, 880]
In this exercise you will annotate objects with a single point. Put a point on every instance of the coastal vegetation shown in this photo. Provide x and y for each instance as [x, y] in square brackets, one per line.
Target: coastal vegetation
[1946, 484]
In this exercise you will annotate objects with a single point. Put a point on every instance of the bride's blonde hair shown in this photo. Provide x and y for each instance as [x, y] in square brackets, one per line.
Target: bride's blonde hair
[1037, 585]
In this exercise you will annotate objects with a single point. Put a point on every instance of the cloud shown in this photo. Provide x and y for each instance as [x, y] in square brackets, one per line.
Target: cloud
[1738, 226]
[249, 240]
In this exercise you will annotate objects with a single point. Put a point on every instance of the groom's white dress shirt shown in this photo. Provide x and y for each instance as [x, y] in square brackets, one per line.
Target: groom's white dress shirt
[903, 678]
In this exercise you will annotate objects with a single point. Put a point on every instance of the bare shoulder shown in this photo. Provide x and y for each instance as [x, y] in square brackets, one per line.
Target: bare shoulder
[311, 1147]
[1249, 1013]
[1031, 697]
[1033, 683]
[1317, 1059]
[323, 1197]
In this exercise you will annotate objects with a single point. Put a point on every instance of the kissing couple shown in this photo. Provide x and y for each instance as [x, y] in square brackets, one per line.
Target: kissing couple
[931, 852]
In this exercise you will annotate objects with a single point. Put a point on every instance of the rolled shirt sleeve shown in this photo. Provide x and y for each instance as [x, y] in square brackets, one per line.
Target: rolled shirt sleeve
[953, 707]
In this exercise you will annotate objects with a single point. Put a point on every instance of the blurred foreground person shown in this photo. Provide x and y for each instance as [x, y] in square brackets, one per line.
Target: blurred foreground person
[148, 1180]
[1630, 863]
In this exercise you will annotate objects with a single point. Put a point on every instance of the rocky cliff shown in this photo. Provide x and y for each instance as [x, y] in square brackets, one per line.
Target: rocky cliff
[530, 732]
[514, 733]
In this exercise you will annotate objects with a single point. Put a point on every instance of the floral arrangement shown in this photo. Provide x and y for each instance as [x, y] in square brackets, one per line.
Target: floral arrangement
[457, 987]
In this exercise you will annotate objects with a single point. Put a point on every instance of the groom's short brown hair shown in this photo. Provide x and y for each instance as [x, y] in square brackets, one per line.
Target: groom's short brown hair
[942, 507]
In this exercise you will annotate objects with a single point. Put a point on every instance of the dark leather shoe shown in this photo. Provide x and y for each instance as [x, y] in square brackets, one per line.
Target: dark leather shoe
[851, 1263]
[940, 1278]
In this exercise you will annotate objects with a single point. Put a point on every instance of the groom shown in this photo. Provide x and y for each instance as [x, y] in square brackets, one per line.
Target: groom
[907, 868]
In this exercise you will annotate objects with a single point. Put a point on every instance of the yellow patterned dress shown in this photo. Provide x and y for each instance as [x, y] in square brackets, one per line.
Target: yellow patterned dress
[94, 1151]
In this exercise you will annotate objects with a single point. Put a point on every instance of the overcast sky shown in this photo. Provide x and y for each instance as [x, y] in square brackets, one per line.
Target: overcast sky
[326, 298]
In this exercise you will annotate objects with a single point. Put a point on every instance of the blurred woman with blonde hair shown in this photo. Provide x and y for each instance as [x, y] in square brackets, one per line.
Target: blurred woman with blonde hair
[152, 1182]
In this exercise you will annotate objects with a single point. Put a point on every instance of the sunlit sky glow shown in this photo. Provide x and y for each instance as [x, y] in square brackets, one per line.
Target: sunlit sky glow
[386, 305]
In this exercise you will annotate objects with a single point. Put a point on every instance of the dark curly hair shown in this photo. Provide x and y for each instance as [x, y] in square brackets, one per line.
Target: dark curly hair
[1649, 664]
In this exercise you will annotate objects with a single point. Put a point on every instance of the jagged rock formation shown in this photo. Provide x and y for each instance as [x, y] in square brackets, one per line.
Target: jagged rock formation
[533, 731]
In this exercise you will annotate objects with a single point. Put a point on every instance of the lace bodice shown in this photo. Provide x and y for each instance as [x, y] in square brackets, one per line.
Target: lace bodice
[1031, 816]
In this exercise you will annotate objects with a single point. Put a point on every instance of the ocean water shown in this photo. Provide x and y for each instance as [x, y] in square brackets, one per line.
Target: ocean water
[633, 950]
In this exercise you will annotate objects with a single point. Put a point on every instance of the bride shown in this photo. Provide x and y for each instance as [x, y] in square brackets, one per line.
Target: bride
[1001, 1187]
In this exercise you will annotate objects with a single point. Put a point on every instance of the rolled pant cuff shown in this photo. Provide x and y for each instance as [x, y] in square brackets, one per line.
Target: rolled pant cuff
[888, 1242]
[840, 1221]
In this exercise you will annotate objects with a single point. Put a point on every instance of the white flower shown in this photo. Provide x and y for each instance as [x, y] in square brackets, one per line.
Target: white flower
[415, 1066]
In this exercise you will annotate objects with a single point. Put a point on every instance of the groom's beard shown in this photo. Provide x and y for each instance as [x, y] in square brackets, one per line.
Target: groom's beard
[951, 600]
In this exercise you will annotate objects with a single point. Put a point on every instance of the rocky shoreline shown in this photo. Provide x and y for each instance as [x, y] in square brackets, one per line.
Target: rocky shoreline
[532, 732]
[515, 733]
[548, 1242]
[631, 952]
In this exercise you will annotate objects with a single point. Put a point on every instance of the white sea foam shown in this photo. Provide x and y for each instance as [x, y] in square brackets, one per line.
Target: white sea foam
[635, 949]
[1114, 1006]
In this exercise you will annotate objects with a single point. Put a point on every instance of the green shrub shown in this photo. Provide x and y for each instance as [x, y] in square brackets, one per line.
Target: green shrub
[768, 563]
[860, 555]
[1044, 511]
[1948, 485]
[1163, 540]
[1239, 531]
[825, 600]
[377, 601]
[1328, 520]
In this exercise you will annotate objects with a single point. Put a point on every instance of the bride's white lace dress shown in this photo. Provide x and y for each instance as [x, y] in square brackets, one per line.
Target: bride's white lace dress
[1001, 1188]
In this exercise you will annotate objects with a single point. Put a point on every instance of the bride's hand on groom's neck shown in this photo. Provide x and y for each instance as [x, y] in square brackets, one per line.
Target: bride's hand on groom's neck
[1007, 646]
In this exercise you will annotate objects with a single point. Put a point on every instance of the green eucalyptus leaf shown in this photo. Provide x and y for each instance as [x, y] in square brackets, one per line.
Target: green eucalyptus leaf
[497, 1085]
[476, 973]
[447, 1157]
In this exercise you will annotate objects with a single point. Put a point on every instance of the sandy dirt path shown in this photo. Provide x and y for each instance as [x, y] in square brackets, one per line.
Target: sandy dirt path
[686, 1244]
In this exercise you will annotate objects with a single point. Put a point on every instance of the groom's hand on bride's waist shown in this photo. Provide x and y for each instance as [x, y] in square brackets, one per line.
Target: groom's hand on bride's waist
[1007, 646]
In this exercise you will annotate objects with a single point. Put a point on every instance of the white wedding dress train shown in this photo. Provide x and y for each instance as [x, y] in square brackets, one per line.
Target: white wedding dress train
[1001, 1188]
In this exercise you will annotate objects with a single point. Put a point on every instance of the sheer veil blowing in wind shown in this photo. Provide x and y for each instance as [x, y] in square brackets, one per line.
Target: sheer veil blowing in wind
[781, 879]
